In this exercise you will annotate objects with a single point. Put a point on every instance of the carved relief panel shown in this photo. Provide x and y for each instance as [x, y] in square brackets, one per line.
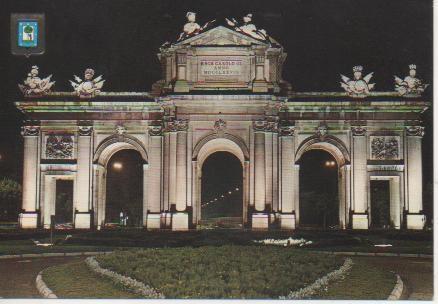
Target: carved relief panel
[385, 147]
[58, 146]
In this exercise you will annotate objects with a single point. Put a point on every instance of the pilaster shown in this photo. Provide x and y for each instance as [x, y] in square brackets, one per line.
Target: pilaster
[415, 217]
[29, 218]
[360, 180]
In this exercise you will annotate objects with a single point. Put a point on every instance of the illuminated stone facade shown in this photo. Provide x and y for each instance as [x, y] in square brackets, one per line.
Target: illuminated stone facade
[222, 91]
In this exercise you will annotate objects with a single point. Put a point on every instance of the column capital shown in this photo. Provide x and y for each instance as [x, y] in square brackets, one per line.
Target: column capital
[156, 130]
[30, 130]
[177, 125]
[415, 131]
[85, 130]
[264, 125]
[358, 130]
[286, 130]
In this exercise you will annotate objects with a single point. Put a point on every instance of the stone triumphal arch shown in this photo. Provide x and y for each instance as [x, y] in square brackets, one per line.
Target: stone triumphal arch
[222, 91]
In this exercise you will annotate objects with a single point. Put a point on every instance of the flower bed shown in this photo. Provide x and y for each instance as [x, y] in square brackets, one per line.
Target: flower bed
[222, 272]
[285, 242]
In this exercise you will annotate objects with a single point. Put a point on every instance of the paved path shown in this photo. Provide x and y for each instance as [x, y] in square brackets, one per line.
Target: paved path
[416, 273]
[17, 276]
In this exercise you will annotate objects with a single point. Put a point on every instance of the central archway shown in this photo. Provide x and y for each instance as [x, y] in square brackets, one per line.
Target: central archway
[211, 145]
[221, 191]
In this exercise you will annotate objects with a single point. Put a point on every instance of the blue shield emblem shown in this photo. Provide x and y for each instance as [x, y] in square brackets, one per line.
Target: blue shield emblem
[28, 33]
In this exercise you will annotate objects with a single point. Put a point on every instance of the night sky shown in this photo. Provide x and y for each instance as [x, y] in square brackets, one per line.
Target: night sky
[120, 39]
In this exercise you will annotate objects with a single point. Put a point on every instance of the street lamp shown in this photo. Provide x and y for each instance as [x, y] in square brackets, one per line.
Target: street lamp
[330, 163]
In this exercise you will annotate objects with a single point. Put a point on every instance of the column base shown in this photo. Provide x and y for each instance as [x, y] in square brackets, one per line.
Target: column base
[360, 221]
[260, 221]
[260, 86]
[28, 220]
[83, 220]
[415, 221]
[166, 220]
[153, 221]
[180, 221]
[287, 221]
[181, 86]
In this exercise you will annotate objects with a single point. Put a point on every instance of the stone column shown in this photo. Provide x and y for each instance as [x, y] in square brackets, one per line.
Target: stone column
[29, 218]
[360, 180]
[287, 178]
[99, 189]
[195, 197]
[268, 169]
[395, 201]
[413, 166]
[260, 219]
[245, 190]
[275, 193]
[180, 219]
[172, 169]
[166, 150]
[154, 178]
[82, 204]
[49, 200]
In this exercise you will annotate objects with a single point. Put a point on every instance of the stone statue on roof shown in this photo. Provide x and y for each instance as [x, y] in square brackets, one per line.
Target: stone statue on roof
[34, 85]
[248, 27]
[359, 86]
[88, 87]
[410, 85]
[191, 28]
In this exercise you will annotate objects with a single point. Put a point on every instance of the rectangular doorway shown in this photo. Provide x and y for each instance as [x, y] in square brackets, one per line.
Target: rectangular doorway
[64, 202]
[380, 204]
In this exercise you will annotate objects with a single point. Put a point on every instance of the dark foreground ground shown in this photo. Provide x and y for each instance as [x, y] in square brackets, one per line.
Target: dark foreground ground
[21, 241]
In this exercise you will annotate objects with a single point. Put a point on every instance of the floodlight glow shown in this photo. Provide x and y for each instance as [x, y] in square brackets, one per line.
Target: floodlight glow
[117, 166]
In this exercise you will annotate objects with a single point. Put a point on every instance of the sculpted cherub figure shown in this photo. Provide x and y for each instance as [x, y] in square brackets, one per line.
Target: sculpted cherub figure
[410, 85]
[358, 86]
[89, 86]
[192, 28]
[248, 27]
[34, 85]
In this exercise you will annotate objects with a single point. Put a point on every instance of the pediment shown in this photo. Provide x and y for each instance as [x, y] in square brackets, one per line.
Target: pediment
[220, 36]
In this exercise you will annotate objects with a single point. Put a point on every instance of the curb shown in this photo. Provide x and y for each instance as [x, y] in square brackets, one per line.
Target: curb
[379, 254]
[320, 283]
[43, 290]
[128, 282]
[398, 289]
[52, 254]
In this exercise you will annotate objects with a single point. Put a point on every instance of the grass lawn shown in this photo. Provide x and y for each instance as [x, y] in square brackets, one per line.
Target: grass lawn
[75, 280]
[364, 282]
[222, 272]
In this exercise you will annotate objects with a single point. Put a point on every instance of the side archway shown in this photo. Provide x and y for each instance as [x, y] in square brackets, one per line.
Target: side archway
[336, 148]
[208, 145]
[106, 149]
[115, 143]
[330, 144]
